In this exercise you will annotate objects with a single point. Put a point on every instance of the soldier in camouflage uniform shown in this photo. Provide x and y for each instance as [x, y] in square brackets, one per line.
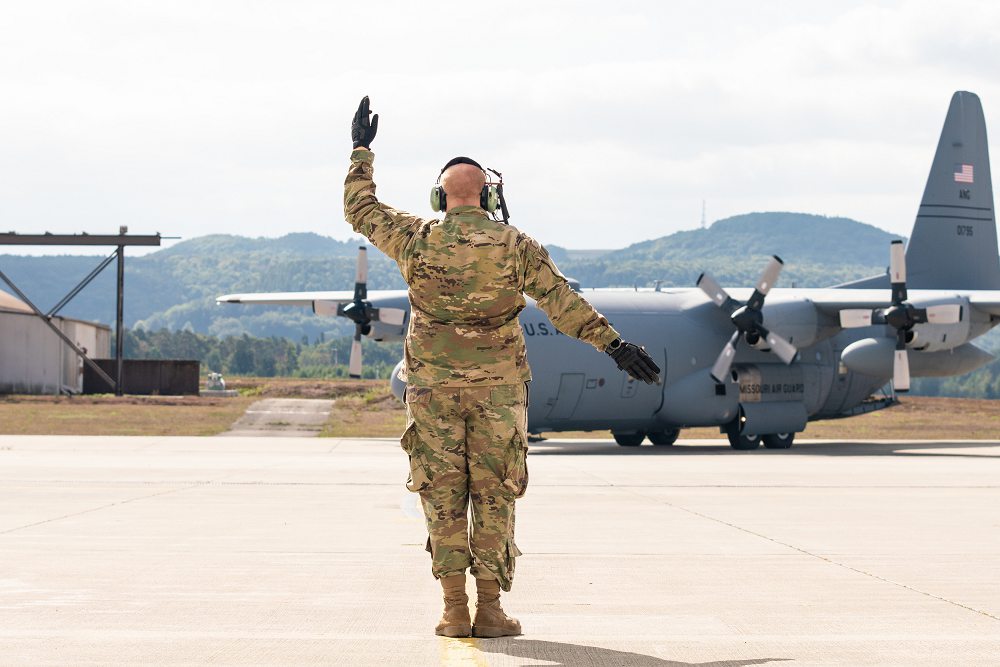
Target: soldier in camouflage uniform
[467, 371]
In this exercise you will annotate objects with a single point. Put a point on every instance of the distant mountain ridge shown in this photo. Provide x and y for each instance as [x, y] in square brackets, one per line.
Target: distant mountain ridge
[817, 250]
[176, 287]
[304, 244]
[799, 237]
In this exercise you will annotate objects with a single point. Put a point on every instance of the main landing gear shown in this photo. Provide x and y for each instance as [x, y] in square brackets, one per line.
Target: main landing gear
[746, 441]
[635, 438]
[737, 440]
[778, 440]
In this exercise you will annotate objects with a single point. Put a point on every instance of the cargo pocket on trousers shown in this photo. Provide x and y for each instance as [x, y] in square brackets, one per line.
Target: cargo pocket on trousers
[515, 481]
[506, 577]
[418, 480]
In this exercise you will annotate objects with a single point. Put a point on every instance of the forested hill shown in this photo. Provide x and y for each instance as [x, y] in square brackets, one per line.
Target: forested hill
[176, 287]
[818, 251]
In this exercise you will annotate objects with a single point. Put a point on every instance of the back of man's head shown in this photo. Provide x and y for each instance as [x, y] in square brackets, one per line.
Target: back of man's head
[462, 182]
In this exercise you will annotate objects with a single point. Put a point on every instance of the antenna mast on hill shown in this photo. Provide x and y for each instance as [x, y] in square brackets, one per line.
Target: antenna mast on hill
[703, 214]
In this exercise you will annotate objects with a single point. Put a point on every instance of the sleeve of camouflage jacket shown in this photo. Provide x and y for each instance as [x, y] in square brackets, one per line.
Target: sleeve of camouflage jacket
[569, 311]
[389, 230]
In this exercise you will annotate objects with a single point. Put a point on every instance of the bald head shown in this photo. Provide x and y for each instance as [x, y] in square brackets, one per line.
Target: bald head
[463, 183]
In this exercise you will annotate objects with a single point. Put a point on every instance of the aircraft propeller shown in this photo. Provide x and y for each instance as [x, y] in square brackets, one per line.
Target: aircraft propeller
[747, 318]
[900, 315]
[363, 313]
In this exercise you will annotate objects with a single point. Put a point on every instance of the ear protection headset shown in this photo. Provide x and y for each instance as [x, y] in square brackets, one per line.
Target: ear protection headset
[490, 197]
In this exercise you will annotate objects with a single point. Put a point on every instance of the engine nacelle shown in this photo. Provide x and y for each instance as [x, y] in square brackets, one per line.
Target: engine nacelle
[797, 320]
[934, 337]
[874, 356]
[379, 330]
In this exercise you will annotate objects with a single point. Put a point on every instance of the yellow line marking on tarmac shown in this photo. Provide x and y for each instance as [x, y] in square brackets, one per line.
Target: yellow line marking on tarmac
[461, 652]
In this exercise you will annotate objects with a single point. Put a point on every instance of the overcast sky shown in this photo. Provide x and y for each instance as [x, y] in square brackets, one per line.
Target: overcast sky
[611, 121]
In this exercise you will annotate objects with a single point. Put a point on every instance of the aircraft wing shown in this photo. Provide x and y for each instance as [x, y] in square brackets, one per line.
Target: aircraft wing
[832, 301]
[327, 303]
[986, 301]
[305, 299]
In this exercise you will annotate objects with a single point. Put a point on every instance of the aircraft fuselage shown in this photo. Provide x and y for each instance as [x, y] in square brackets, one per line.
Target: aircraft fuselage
[574, 387]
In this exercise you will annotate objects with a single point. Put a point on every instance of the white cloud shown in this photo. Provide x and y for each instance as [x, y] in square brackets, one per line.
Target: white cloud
[611, 121]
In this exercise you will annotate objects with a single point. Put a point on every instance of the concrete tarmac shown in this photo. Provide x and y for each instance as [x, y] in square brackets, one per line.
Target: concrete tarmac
[290, 417]
[292, 551]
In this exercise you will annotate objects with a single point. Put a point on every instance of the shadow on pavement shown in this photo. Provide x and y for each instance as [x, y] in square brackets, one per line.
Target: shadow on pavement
[573, 655]
[854, 448]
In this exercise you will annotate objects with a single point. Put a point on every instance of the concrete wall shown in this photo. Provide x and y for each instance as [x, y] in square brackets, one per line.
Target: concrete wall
[33, 360]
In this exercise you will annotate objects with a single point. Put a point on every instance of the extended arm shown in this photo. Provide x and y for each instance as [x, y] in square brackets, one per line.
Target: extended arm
[569, 311]
[389, 230]
[574, 316]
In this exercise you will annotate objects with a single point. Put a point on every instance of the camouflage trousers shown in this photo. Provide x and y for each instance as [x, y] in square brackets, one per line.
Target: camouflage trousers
[467, 449]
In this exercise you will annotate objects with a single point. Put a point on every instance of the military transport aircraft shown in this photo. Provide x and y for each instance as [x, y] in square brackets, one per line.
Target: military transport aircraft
[805, 354]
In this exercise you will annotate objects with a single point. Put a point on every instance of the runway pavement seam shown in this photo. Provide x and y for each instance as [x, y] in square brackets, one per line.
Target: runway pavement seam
[97, 509]
[826, 559]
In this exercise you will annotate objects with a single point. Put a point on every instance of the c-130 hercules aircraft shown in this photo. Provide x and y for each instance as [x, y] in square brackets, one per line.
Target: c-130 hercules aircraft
[788, 356]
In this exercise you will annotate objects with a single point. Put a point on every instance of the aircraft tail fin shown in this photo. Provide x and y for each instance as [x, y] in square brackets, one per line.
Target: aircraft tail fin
[954, 240]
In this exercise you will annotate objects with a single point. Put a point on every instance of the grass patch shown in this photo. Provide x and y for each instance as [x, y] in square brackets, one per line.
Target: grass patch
[111, 415]
[366, 408]
[371, 413]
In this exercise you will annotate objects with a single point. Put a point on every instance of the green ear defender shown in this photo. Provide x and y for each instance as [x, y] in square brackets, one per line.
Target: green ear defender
[489, 198]
[437, 198]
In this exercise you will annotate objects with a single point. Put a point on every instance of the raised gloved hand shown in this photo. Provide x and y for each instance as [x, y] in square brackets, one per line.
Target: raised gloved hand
[633, 360]
[363, 132]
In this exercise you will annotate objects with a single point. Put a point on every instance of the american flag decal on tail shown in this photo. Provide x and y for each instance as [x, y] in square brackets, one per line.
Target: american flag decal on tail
[963, 173]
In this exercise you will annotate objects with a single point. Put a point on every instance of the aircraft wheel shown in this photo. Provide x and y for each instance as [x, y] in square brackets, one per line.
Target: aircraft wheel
[739, 440]
[633, 439]
[667, 437]
[778, 440]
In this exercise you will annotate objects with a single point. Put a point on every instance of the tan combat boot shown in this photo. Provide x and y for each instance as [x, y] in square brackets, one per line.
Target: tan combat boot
[491, 621]
[455, 621]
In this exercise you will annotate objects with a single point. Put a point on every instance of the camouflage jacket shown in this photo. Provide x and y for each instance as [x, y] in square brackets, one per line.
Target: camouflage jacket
[467, 276]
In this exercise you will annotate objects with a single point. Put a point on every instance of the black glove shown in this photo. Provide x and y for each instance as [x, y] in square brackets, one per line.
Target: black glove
[633, 360]
[363, 132]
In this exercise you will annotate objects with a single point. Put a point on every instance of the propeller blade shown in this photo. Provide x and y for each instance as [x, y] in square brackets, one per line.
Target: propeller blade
[361, 275]
[725, 360]
[901, 371]
[781, 347]
[767, 280]
[393, 316]
[770, 275]
[714, 290]
[901, 363]
[354, 369]
[948, 313]
[897, 271]
[852, 318]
